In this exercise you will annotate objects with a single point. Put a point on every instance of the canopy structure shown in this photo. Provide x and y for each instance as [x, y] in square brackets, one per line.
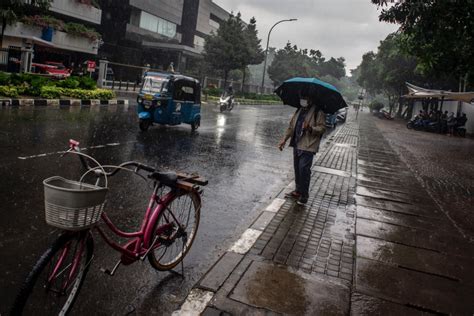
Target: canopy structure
[415, 92]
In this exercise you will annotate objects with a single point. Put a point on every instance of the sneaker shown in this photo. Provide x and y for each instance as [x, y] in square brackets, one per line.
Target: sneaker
[294, 195]
[302, 200]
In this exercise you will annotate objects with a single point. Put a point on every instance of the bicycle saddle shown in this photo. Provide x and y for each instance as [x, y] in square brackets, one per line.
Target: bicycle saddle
[166, 178]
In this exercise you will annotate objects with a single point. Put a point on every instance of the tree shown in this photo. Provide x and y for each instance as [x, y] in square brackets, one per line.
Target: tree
[12, 10]
[439, 33]
[333, 67]
[224, 50]
[388, 70]
[291, 62]
[255, 54]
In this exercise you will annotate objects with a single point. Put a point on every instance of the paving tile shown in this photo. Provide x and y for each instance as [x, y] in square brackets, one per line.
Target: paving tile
[215, 277]
[310, 294]
[413, 288]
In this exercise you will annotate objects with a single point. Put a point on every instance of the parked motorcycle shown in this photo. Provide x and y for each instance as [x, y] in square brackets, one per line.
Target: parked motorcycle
[384, 115]
[418, 125]
[226, 103]
[460, 131]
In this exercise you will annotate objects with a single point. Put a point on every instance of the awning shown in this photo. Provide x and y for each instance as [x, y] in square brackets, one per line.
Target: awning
[415, 92]
[187, 50]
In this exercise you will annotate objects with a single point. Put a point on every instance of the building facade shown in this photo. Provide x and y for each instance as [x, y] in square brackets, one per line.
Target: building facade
[157, 32]
[41, 44]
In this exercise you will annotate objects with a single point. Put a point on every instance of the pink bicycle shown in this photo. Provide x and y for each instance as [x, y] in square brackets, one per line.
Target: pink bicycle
[166, 234]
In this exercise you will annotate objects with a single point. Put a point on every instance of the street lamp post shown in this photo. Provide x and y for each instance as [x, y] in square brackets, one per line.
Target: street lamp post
[266, 50]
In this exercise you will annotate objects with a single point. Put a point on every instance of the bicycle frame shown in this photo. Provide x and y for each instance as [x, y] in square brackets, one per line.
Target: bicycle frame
[142, 243]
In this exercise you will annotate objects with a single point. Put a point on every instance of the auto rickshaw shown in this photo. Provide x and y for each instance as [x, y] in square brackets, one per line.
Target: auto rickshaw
[169, 99]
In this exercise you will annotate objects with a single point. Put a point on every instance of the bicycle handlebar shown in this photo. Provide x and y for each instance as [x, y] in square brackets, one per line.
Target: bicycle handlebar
[74, 146]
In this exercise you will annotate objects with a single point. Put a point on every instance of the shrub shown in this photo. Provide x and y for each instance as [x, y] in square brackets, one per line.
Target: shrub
[81, 30]
[70, 83]
[35, 85]
[213, 91]
[376, 105]
[86, 83]
[4, 78]
[8, 91]
[51, 92]
[43, 21]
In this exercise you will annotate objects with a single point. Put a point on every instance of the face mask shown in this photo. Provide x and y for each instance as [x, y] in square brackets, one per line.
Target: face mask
[304, 103]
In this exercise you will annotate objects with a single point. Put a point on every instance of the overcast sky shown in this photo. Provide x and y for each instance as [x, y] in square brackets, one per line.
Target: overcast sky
[347, 28]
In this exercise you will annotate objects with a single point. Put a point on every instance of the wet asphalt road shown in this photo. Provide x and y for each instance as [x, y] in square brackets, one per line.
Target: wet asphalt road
[236, 151]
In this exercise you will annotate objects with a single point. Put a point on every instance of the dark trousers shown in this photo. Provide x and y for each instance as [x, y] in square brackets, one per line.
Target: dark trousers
[302, 163]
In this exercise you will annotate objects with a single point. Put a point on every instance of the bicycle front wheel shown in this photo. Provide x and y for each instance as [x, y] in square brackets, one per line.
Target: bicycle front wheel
[56, 279]
[175, 229]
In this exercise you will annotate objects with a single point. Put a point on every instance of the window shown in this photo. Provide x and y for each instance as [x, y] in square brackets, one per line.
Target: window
[184, 90]
[214, 24]
[158, 25]
[155, 85]
[199, 41]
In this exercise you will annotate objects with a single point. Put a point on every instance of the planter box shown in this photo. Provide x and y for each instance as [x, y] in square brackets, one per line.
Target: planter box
[60, 40]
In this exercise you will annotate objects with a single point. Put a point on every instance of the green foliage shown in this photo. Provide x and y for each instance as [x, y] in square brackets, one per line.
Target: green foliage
[4, 78]
[212, 91]
[294, 62]
[258, 97]
[438, 33]
[35, 85]
[70, 83]
[8, 91]
[254, 52]
[51, 92]
[376, 105]
[224, 50]
[234, 46]
[86, 83]
[81, 30]
[13, 10]
[389, 69]
[43, 21]
[291, 62]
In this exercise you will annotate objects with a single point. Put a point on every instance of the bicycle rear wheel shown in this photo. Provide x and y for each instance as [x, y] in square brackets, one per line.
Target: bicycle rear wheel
[176, 229]
[53, 285]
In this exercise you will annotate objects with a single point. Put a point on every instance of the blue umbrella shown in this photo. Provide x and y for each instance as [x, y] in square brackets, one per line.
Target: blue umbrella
[323, 94]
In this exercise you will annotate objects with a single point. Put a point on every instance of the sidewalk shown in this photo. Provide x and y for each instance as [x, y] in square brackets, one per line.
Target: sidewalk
[369, 241]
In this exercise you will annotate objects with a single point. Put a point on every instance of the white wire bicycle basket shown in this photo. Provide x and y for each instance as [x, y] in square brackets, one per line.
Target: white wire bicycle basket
[73, 205]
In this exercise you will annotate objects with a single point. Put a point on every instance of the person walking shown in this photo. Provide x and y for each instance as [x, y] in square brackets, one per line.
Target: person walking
[306, 128]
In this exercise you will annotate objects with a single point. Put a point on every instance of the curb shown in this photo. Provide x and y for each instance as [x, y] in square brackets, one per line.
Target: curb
[60, 102]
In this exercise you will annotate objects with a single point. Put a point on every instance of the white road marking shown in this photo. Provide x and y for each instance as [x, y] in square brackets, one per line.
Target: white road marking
[62, 152]
[246, 241]
[195, 303]
[275, 205]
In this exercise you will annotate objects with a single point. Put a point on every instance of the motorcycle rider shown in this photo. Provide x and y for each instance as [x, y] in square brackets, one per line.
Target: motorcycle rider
[230, 94]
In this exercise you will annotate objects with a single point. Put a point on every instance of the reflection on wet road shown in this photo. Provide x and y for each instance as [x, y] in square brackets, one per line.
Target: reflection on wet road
[235, 151]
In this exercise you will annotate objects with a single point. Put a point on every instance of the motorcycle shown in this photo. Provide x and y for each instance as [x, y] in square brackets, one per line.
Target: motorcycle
[460, 131]
[384, 115]
[226, 103]
[419, 125]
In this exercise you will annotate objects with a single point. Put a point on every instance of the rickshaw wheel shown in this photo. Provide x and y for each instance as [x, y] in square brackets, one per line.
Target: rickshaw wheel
[195, 125]
[144, 124]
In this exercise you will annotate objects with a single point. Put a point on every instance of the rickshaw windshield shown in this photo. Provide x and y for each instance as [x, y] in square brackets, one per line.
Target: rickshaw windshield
[155, 85]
